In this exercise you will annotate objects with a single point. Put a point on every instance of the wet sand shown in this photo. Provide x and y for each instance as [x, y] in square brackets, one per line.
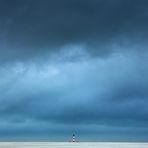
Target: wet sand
[72, 145]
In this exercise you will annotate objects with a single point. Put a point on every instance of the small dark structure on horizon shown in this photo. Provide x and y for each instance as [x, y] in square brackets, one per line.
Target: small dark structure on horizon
[73, 138]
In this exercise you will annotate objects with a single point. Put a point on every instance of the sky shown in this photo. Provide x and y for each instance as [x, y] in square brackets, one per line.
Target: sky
[73, 66]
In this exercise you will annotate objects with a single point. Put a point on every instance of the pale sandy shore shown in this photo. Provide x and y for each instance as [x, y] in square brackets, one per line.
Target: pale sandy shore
[72, 145]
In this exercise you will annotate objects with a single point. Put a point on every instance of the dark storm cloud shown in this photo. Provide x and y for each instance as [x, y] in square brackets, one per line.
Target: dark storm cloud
[30, 28]
[53, 80]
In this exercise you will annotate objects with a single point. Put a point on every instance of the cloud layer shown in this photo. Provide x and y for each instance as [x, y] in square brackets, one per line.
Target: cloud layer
[73, 67]
[31, 28]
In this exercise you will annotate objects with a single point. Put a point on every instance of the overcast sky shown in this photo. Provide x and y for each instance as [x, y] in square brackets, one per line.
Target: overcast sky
[74, 66]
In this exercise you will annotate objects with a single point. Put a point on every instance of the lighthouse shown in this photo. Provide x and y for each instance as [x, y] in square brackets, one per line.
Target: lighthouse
[73, 138]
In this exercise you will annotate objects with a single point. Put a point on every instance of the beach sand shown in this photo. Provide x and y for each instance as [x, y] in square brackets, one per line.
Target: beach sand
[72, 145]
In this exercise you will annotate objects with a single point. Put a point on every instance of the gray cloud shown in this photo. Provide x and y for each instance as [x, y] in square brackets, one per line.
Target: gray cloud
[110, 93]
[32, 28]
[73, 67]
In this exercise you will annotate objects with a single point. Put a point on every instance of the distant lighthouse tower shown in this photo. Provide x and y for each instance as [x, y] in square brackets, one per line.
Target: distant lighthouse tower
[73, 138]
